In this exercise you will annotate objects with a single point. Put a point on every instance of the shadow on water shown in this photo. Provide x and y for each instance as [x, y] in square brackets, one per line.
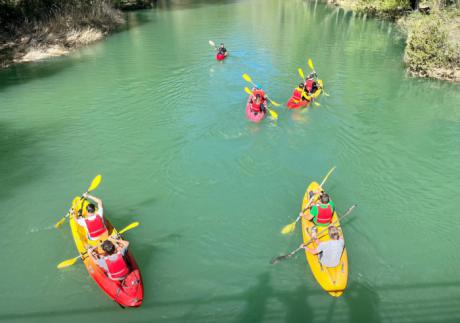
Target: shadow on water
[190, 4]
[256, 299]
[18, 158]
[297, 307]
[362, 301]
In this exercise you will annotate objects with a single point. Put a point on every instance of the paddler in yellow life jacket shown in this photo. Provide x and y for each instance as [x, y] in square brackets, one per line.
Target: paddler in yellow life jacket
[93, 222]
[322, 212]
[300, 93]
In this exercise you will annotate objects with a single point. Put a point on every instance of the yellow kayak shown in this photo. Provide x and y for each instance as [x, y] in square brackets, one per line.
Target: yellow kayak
[332, 280]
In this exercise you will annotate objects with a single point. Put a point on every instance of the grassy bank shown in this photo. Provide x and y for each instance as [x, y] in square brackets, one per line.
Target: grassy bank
[35, 29]
[432, 28]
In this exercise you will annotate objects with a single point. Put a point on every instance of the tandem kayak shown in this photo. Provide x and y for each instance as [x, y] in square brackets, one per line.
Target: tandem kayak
[296, 104]
[252, 115]
[220, 57]
[128, 292]
[332, 280]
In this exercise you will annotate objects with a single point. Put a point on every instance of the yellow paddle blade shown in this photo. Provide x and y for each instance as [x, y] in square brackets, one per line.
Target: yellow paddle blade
[212, 43]
[95, 183]
[247, 78]
[310, 63]
[67, 263]
[129, 227]
[302, 75]
[273, 114]
[289, 228]
[59, 223]
[247, 90]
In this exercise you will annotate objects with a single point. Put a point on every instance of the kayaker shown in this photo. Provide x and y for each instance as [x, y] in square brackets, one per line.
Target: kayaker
[311, 86]
[300, 93]
[329, 252]
[322, 212]
[93, 222]
[258, 100]
[222, 50]
[112, 260]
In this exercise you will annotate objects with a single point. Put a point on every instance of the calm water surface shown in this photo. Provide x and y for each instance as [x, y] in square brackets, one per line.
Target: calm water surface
[163, 122]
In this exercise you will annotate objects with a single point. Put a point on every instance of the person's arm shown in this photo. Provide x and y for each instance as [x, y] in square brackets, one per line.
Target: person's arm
[95, 199]
[313, 251]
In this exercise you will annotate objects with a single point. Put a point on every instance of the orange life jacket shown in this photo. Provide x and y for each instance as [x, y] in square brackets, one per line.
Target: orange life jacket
[117, 269]
[309, 84]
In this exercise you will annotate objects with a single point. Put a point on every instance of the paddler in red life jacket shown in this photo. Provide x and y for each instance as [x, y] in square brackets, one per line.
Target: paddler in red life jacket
[112, 260]
[321, 213]
[258, 100]
[311, 86]
[93, 222]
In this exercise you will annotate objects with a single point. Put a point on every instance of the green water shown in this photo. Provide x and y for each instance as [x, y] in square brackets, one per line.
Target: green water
[163, 122]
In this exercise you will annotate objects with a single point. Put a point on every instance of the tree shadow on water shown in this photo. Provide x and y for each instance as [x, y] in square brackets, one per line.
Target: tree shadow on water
[18, 158]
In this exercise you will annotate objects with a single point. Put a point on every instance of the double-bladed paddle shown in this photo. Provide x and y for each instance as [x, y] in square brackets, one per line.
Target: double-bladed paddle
[319, 235]
[290, 227]
[94, 184]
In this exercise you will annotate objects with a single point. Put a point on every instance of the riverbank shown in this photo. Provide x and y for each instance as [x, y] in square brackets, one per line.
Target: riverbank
[433, 33]
[43, 29]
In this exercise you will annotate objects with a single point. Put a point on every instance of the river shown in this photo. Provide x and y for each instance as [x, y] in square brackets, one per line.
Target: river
[152, 111]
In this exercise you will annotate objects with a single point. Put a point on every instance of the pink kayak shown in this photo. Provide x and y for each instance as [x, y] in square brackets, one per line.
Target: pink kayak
[252, 115]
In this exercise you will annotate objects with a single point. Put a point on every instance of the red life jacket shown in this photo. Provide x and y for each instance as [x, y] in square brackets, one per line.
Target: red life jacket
[309, 84]
[256, 107]
[95, 227]
[324, 214]
[117, 269]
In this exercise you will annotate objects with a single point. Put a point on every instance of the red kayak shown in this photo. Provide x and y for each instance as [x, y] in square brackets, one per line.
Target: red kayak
[128, 292]
[220, 57]
[292, 103]
[253, 115]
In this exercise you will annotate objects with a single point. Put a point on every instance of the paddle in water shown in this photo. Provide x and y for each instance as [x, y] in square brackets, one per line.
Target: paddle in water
[319, 235]
[247, 78]
[291, 227]
[273, 113]
[70, 262]
[94, 184]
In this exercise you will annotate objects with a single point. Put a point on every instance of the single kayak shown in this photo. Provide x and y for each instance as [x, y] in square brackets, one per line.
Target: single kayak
[332, 279]
[128, 292]
[220, 57]
[253, 115]
[293, 103]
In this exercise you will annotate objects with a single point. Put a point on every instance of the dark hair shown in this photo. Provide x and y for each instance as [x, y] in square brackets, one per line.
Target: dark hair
[301, 85]
[221, 44]
[108, 247]
[91, 208]
[334, 233]
[324, 198]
